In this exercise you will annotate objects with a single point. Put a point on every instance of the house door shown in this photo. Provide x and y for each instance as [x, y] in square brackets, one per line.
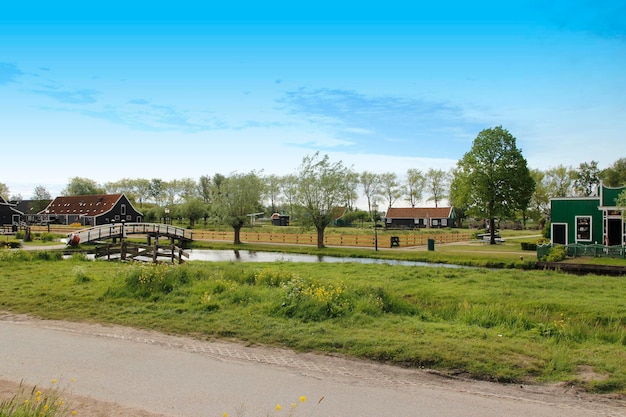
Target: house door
[614, 232]
[559, 233]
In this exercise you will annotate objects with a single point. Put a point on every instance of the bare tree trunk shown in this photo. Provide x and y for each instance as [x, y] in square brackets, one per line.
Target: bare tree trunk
[237, 240]
[320, 238]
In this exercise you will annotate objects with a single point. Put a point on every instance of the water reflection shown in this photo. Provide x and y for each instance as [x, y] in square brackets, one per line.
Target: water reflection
[255, 256]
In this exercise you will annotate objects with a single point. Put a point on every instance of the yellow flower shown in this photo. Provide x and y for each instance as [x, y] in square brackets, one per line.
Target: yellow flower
[38, 393]
[225, 415]
[54, 381]
[74, 412]
[302, 399]
[277, 407]
[45, 407]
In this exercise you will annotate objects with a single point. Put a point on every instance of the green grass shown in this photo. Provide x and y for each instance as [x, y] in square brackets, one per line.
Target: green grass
[503, 325]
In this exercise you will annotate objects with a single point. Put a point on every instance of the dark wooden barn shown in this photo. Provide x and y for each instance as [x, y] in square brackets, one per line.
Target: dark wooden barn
[91, 210]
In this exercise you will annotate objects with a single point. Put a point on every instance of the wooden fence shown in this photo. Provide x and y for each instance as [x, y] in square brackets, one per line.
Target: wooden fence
[331, 239]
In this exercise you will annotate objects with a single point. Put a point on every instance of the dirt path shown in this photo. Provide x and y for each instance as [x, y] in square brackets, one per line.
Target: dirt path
[125, 372]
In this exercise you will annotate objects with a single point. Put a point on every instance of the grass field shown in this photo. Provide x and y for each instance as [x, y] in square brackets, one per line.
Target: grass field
[508, 325]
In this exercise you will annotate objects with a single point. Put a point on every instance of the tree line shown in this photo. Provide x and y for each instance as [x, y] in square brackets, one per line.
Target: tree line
[491, 181]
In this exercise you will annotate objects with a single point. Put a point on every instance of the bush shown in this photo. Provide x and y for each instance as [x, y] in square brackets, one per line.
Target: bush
[529, 246]
[556, 254]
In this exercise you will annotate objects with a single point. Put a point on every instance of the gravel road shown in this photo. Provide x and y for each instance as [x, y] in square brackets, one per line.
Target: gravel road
[125, 372]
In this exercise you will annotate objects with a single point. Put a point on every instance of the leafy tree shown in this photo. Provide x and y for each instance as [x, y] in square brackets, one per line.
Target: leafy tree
[437, 183]
[157, 190]
[205, 188]
[320, 190]
[289, 188]
[41, 197]
[371, 188]
[41, 193]
[586, 178]
[615, 175]
[350, 187]
[141, 190]
[272, 189]
[560, 181]
[494, 177]
[187, 189]
[4, 191]
[540, 201]
[415, 183]
[82, 186]
[193, 208]
[390, 187]
[240, 195]
[459, 194]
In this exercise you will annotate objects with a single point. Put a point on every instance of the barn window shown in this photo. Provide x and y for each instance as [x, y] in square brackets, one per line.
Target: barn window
[583, 228]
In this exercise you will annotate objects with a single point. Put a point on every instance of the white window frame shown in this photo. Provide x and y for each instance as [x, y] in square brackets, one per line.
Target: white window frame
[590, 231]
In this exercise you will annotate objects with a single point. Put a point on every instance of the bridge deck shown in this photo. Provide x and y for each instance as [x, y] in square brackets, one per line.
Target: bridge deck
[118, 230]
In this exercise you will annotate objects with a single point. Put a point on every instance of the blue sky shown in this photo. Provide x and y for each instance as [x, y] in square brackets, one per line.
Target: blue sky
[185, 89]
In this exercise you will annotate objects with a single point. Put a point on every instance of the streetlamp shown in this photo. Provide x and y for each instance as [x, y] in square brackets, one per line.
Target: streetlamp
[167, 214]
[375, 215]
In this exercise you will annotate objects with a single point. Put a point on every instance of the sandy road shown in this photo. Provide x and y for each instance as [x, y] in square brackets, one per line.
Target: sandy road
[124, 372]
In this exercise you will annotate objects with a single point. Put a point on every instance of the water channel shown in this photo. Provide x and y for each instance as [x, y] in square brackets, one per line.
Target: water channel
[255, 256]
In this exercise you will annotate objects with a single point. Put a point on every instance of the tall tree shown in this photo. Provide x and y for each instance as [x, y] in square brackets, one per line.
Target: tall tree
[371, 188]
[41, 193]
[540, 201]
[560, 181]
[350, 187]
[204, 188]
[289, 188]
[586, 178]
[193, 208]
[415, 183]
[320, 190]
[82, 186]
[239, 196]
[157, 190]
[437, 183]
[495, 176]
[615, 175]
[390, 187]
[271, 190]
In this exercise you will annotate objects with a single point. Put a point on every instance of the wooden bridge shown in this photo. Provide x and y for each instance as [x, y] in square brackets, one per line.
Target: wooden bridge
[122, 230]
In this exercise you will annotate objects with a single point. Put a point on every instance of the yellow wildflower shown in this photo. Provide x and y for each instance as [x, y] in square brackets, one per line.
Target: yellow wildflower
[278, 407]
[302, 399]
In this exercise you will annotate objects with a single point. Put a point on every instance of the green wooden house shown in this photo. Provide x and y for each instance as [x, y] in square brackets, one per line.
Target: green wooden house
[589, 220]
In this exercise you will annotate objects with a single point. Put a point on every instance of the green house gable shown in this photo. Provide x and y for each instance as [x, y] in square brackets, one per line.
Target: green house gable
[588, 220]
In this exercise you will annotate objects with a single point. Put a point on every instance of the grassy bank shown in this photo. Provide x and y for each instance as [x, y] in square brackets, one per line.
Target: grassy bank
[506, 325]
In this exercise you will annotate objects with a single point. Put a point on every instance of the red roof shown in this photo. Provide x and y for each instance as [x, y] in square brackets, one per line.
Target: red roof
[88, 205]
[419, 213]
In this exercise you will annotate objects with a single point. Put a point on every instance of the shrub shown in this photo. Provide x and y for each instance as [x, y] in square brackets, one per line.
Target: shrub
[556, 254]
[529, 246]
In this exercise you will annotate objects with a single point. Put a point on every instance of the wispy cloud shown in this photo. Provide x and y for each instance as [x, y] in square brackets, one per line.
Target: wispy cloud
[389, 124]
[67, 96]
[8, 73]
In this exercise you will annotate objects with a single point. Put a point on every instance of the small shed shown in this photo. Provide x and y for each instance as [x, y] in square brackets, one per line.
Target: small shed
[280, 219]
[419, 217]
[92, 210]
[588, 220]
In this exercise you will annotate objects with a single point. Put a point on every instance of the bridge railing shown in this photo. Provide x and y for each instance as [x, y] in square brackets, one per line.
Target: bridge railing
[118, 230]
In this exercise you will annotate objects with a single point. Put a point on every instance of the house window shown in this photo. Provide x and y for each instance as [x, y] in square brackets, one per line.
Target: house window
[123, 209]
[583, 228]
[444, 222]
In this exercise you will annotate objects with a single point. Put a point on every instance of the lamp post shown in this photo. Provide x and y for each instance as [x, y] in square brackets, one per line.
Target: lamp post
[167, 214]
[375, 215]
